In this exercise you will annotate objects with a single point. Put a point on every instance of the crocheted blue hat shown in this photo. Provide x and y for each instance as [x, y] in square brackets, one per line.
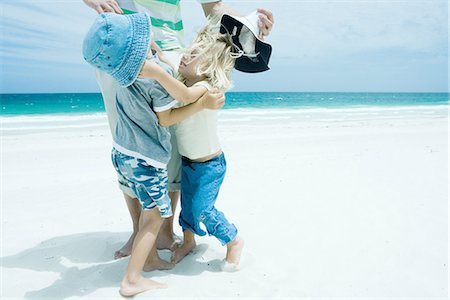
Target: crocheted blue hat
[118, 45]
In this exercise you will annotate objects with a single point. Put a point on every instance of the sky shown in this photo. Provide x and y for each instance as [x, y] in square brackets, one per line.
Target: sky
[318, 46]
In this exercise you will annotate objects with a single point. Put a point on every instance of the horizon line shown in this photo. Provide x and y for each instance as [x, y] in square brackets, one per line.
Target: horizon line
[306, 92]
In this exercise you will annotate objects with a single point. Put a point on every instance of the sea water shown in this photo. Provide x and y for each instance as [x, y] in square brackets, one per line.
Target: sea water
[27, 111]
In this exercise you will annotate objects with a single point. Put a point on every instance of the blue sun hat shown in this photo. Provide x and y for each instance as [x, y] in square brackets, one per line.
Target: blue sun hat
[118, 45]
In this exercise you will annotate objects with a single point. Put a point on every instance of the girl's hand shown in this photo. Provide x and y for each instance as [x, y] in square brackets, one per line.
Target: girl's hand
[102, 6]
[212, 100]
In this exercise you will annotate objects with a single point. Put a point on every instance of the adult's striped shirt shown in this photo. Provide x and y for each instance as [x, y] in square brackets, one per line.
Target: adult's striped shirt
[166, 20]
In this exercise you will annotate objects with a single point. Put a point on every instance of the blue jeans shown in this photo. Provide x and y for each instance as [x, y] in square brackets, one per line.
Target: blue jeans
[200, 184]
[147, 182]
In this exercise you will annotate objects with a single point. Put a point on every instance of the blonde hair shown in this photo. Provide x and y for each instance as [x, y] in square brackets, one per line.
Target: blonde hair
[214, 51]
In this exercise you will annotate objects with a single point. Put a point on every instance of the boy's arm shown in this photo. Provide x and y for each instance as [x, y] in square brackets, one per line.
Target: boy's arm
[174, 87]
[173, 116]
[161, 55]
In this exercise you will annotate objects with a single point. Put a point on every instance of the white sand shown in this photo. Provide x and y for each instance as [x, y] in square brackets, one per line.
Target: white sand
[332, 205]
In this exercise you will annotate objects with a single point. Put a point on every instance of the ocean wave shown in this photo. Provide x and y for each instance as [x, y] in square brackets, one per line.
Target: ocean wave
[237, 115]
[51, 118]
[44, 122]
[312, 110]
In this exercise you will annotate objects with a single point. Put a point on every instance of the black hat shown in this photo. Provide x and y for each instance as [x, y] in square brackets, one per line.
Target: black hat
[252, 54]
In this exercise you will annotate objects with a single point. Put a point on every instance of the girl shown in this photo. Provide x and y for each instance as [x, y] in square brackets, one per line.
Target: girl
[205, 66]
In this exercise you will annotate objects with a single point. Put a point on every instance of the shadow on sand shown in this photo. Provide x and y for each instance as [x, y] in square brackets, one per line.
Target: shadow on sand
[85, 263]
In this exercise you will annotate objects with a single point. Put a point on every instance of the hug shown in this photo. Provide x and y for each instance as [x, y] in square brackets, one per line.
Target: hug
[162, 103]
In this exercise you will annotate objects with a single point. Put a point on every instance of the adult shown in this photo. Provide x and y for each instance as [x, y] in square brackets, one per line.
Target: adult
[167, 27]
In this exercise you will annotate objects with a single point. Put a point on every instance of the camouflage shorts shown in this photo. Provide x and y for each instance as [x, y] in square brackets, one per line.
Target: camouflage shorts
[124, 185]
[147, 182]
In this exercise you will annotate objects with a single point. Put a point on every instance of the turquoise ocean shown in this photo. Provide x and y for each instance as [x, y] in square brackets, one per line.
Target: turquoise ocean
[69, 109]
[86, 103]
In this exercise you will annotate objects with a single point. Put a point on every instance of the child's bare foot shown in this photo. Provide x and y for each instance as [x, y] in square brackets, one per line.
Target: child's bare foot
[157, 264]
[167, 242]
[182, 251]
[126, 249]
[128, 288]
[233, 257]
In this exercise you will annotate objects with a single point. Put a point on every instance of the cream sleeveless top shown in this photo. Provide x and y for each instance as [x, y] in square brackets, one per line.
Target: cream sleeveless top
[197, 136]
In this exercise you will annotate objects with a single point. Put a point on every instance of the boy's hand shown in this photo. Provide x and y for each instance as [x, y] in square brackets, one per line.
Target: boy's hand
[103, 6]
[212, 100]
[162, 57]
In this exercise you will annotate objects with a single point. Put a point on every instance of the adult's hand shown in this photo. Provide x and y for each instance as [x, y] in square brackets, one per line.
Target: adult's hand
[265, 22]
[102, 6]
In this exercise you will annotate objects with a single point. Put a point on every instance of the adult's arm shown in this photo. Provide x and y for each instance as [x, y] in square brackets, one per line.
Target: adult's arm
[266, 19]
[103, 6]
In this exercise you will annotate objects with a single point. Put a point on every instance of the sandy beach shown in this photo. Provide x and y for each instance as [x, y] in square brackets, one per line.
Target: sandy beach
[331, 203]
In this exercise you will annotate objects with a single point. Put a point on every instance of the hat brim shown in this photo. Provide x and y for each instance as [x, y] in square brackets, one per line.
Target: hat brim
[259, 63]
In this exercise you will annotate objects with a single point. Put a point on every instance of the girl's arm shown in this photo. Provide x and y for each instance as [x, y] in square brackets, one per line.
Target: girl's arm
[175, 115]
[174, 87]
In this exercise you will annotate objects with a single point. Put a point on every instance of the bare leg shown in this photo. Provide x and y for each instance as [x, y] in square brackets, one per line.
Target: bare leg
[154, 262]
[134, 208]
[186, 248]
[133, 283]
[166, 238]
